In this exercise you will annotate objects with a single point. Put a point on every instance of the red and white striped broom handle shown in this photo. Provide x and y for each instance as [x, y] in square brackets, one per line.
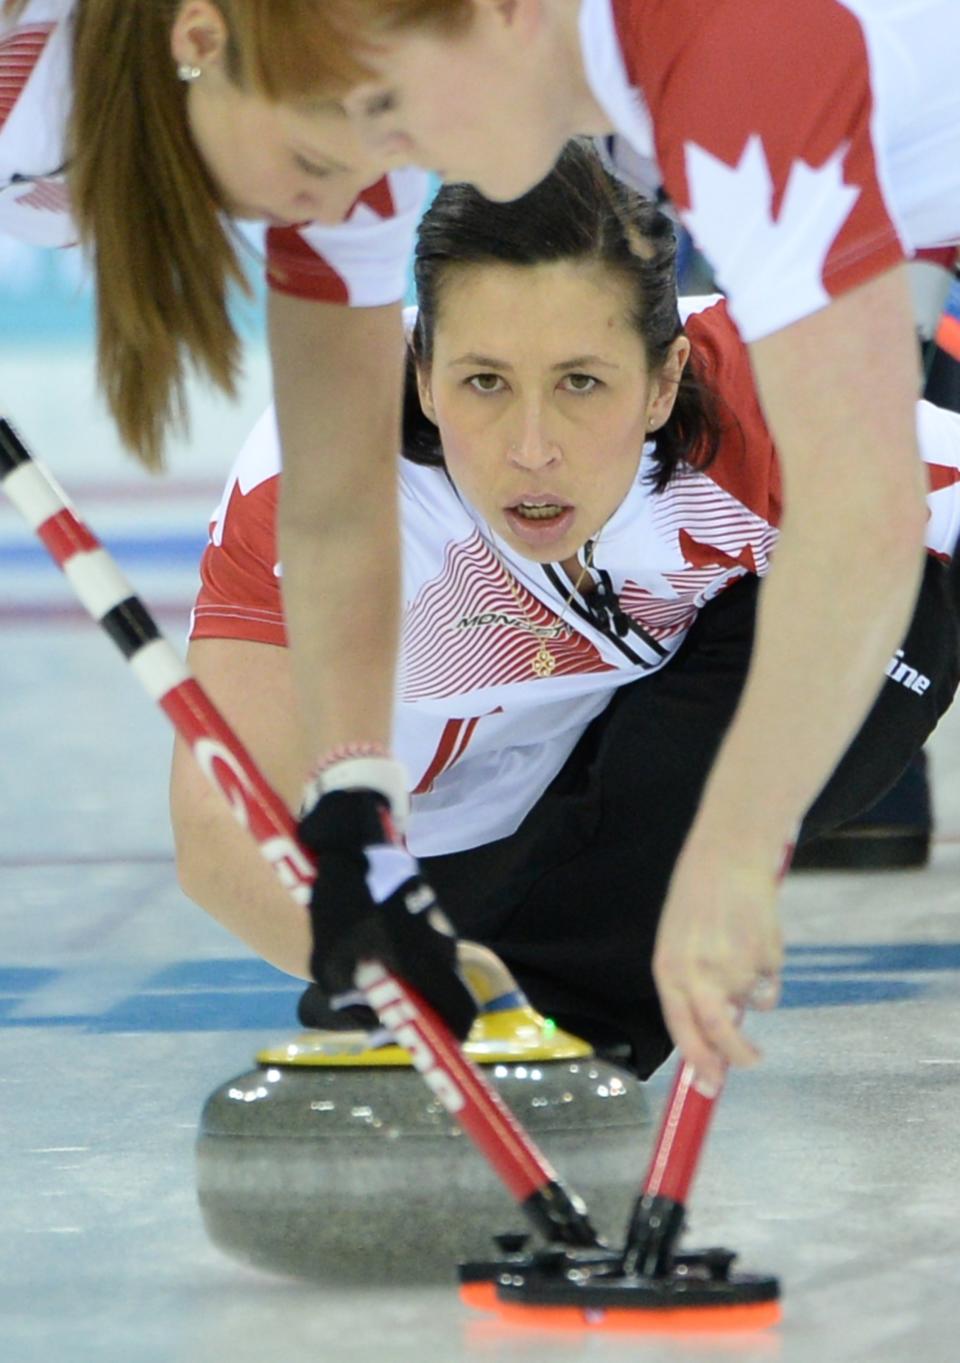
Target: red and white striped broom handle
[111, 601]
[457, 1083]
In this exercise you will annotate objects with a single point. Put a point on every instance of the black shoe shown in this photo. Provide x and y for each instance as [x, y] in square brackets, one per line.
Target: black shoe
[893, 835]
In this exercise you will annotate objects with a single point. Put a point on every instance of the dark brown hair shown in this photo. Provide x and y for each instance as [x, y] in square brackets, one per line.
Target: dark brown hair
[579, 212]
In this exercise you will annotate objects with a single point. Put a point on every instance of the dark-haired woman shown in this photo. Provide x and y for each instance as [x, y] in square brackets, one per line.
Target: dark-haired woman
[589, 497]
[142, 127]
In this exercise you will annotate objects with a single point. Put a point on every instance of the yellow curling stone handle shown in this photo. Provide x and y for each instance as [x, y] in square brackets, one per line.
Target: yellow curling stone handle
[512, 1034]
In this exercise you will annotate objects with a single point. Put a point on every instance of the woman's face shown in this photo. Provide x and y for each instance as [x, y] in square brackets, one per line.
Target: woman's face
[484, 104]
[276, 162]
[540, 388]
[273, 162]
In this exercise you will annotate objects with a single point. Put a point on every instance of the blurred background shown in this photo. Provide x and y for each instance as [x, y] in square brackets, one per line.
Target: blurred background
[156, 526]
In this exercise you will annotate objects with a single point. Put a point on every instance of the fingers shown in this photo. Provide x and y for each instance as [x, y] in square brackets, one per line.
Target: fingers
[764, 993]
[704, 1002]
[704, 1022]
[719, 951]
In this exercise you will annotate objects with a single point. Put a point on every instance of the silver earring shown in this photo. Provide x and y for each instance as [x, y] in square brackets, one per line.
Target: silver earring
[188, 73]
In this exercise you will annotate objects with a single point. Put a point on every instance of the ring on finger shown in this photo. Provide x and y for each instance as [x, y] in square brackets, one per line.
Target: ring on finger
[762, 990]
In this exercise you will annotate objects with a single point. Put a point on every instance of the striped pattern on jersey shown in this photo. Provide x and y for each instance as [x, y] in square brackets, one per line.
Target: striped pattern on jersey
[454, 740]
[47, 196]
[19, 53]
[466, 630]
[729, 536]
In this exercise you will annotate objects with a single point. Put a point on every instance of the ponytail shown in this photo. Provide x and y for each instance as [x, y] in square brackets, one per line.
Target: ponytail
[144, 203]
[147, 209]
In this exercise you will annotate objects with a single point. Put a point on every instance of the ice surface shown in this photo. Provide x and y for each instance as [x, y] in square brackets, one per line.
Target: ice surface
[835, 1165]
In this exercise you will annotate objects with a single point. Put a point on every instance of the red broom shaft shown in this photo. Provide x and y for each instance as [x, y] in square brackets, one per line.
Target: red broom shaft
[111, 601]
[686, 1122]
[682, 1133]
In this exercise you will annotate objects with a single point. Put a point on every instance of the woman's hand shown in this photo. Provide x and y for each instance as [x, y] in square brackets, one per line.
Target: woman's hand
[370, 902]
[719, 950]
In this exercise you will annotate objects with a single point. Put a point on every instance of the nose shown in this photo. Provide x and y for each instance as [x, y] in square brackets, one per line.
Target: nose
[531, 447]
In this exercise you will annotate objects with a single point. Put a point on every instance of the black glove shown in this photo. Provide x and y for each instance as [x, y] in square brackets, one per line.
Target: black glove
[370, 902]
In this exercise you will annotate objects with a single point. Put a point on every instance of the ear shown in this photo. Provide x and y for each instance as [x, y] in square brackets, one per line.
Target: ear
[425, 392]
[199, 34]
[663, 391]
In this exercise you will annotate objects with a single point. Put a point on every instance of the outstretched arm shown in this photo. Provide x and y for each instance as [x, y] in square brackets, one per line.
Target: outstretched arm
[337, 379]
[218, 864]
[839, 390]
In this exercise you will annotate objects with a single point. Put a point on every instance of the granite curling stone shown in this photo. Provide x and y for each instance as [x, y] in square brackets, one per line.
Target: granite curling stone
[334, 1162]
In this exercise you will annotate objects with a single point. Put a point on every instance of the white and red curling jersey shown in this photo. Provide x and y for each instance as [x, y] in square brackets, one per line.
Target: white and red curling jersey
[362, 261]
[480, 732]
[808, 145]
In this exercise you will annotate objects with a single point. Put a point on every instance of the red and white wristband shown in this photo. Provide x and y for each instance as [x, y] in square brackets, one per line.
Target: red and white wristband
[361, 766]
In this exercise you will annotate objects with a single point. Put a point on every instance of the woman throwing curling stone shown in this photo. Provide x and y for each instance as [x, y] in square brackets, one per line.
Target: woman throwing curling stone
[143, 129]
[589, 497]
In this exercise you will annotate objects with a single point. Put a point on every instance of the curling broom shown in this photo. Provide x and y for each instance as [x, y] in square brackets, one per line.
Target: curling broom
[648, 1286]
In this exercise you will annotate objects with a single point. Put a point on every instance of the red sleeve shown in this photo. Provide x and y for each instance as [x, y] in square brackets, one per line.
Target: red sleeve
[296, 267]
[362, 261]
[763, 116]
[746, 465]
[239, 596]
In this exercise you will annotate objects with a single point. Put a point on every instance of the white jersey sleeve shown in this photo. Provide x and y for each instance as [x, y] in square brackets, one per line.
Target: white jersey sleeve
[34, 99]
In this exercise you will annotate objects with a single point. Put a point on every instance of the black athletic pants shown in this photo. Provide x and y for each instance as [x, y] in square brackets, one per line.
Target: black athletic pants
[571, 901]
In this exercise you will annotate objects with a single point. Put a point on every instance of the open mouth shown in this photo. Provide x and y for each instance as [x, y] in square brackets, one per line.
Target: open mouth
[547, 511]
[540, 521]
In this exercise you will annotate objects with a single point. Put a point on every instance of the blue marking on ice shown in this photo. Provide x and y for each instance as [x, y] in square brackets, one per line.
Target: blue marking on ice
[246, 994]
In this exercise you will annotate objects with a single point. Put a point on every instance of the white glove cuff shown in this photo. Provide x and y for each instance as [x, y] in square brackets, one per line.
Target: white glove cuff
[383, 774]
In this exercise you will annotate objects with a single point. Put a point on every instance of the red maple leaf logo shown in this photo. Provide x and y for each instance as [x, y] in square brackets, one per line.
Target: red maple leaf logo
[708, 556]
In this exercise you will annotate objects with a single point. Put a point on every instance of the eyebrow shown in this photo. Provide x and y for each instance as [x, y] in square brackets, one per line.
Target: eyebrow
[311, 105]
[576, 362]
[318, 158]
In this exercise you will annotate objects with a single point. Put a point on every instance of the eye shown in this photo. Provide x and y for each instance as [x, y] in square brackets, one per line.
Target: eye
[310, 167]
[580, 383]
[485, 383]
[384, 102]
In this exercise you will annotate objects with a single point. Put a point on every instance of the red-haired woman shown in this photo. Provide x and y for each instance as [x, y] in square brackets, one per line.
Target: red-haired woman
[811, 148]
[142, 129]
